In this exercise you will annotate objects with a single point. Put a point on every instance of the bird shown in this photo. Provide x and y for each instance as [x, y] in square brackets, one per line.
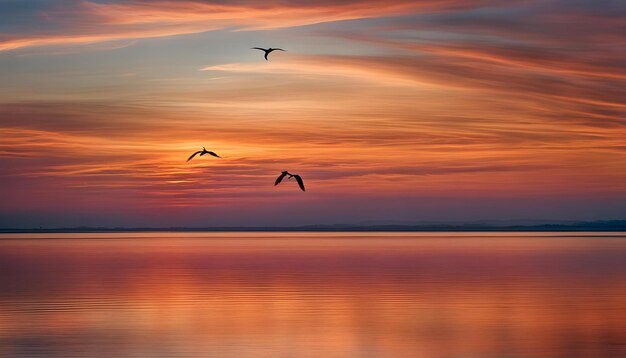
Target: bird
[267, 51]
[203, 152]
[286, 173]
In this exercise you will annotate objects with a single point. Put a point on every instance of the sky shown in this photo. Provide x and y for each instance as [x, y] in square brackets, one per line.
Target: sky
[391, 111]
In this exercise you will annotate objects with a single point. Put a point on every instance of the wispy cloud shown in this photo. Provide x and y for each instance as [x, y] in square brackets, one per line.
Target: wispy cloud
[90, 22]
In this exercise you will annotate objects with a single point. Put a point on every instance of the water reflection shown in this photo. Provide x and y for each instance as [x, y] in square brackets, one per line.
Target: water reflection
[312, 295]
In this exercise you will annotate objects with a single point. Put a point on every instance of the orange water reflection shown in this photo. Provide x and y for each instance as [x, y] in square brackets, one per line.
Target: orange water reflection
[312, 295]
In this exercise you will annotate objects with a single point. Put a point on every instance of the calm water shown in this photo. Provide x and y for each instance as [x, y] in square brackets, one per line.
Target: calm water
[313, 295]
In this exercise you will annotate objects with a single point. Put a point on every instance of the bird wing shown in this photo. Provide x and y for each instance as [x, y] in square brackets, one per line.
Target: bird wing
[279, 49]
[194, 154]
[258, 48]
[213, 154]
[279, 179]
[300, 182]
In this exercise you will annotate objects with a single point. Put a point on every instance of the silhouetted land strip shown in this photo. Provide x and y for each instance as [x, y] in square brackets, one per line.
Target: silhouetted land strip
[599, 226]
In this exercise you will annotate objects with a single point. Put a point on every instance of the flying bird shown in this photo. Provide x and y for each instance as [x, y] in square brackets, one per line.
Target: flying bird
[267, 51]
[286, 173]
[203, 152]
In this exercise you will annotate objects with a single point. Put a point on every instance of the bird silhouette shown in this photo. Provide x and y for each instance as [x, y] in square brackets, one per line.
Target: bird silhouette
[267, 51]
[289, 176]
[203, 152]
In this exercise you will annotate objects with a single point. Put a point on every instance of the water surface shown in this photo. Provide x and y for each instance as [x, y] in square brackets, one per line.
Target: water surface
[313, 295]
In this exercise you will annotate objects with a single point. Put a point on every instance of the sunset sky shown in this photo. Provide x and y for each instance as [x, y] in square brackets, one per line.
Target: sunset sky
[407, 111]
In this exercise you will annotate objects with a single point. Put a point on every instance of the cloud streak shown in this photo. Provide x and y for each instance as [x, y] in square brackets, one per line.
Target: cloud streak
[92, 22]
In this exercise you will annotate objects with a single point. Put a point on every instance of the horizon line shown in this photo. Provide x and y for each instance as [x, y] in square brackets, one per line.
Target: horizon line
[597, 225]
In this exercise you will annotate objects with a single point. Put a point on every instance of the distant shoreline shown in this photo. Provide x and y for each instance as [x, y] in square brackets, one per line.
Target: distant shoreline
[594, 226]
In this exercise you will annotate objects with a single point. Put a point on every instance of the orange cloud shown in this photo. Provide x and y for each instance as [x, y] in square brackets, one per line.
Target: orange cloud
[100, 22]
